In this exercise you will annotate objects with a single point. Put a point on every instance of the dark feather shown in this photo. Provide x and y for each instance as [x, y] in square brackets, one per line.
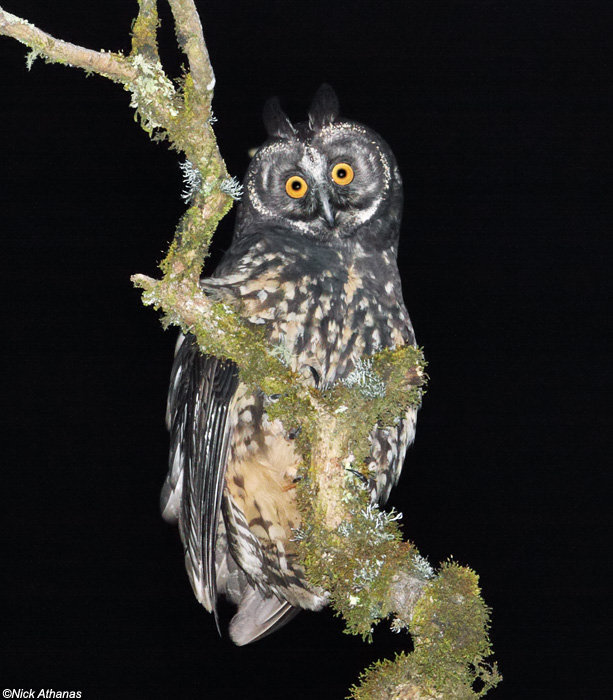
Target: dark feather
[258, 616]
[324, 108]
[201, 390]
[276, 121]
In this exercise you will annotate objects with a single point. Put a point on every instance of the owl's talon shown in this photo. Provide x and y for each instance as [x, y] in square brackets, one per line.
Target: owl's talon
[311, 375]
[361, 477]
[271, 398]
[294, 432]
[293, 485]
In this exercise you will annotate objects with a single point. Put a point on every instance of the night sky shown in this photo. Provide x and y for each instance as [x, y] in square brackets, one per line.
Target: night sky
[496, 111]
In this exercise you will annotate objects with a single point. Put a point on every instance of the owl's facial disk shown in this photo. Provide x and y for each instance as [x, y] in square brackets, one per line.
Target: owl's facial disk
[326, 186]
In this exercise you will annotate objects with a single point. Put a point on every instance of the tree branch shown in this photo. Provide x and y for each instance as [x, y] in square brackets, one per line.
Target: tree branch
[109, 65]
[191, 39]
[144, 31]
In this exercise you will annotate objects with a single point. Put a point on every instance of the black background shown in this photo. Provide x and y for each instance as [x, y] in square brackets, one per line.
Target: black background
[497, 112]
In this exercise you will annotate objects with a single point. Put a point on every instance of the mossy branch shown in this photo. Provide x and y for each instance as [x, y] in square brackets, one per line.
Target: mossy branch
[110, 65]
[449, 626]
[144, 31]
[191, 40]
[348, 546]
[179, 113]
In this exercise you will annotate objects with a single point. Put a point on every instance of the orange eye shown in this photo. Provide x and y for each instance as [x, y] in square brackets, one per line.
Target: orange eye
[296, 186]
[342, 173]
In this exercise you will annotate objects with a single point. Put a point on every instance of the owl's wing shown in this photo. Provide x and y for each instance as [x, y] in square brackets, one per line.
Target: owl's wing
[201, 389]
[389, 447]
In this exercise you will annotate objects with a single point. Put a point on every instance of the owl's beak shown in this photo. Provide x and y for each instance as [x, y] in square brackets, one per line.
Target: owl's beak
[326, 210]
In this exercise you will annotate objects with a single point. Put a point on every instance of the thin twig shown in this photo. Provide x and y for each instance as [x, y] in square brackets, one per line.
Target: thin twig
[109, 65]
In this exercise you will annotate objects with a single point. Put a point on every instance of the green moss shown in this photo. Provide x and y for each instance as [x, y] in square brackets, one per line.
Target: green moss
[385, 679]
[451, 620]
[361, 555]
[402, 373]
[192, 98]
[144, 30]
[450, 635]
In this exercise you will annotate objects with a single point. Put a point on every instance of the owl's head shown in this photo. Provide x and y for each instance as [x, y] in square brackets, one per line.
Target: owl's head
[326, 178]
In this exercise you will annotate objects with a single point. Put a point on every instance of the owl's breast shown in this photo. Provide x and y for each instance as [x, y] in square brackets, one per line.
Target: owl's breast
[326, 319]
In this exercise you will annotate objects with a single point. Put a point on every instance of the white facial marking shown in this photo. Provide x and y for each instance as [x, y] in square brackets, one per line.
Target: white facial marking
[314, 165]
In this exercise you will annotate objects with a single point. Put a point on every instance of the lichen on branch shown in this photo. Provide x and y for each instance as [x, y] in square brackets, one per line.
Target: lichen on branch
[348, 546]
[107, 64]
[449, 626]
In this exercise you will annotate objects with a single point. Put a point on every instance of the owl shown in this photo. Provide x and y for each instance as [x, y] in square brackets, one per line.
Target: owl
[313, 262]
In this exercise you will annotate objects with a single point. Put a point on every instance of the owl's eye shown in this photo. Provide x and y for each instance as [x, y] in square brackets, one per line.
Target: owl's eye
[342, 173]
[296, 186]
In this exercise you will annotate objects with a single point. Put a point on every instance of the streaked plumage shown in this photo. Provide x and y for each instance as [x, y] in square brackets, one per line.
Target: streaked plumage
[313, 261]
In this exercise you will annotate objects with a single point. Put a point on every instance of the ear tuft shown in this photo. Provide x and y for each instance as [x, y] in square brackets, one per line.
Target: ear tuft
[276, 121]
[324, 108]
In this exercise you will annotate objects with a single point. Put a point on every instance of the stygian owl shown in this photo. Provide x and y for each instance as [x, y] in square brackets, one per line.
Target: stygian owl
[312, 261]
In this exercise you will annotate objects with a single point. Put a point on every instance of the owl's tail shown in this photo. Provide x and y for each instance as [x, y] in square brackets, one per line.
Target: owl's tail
[258, 615]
